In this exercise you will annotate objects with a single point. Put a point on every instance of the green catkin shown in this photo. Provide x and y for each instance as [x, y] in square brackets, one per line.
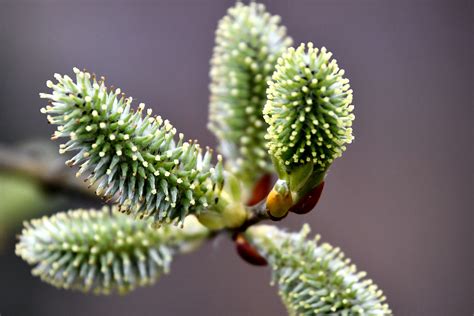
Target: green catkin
[314, 278]
[309, 110]
[130, 157]
[101, 251]
[249, 41]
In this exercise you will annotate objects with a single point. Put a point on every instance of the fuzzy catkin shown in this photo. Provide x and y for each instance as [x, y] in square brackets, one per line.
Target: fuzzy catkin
[131, 157]
[314, 278]
[248, 42]
[101, 251]
[309, 110]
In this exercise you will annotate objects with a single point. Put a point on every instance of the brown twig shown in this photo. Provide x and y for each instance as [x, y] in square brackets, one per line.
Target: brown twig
[48, 169]
[257, 213]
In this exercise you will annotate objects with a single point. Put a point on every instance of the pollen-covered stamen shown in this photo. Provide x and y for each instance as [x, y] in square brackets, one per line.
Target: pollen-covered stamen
[130, 156]
[309, 110]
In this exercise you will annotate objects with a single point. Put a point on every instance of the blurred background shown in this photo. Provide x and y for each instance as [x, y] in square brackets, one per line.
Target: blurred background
[399, 202]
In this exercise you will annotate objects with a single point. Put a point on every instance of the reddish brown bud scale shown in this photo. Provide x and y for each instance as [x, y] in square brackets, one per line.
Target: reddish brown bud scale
[260, 190]
[247, 252]
[309, 201]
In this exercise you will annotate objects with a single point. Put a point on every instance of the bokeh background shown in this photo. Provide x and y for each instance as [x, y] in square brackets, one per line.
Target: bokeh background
[399, 202]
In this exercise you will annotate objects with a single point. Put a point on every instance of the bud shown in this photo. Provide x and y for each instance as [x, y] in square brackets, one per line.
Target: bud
[279, 201]
[309, 201]
[260, 190]
[247, 252]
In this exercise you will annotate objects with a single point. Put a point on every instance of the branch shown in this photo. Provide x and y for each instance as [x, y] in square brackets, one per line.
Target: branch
[49, 171]
[256, 214]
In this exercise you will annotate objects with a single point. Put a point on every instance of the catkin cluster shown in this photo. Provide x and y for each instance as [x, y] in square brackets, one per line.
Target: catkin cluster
[249, 41]
[103, 251]
[314, 278]
[309, 110]
[131, 156]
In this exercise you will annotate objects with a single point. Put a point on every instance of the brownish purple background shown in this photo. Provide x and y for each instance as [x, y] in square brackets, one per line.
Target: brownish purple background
[399, 202]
